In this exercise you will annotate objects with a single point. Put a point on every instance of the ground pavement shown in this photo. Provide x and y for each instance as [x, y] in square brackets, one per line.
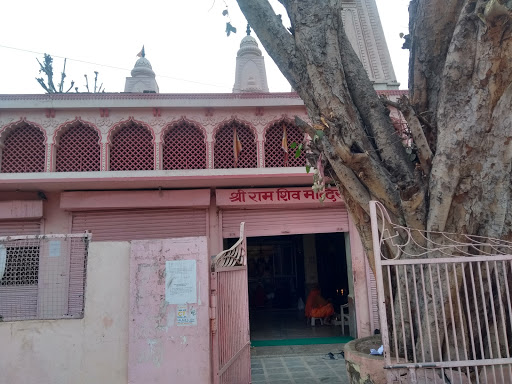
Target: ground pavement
[299, 369]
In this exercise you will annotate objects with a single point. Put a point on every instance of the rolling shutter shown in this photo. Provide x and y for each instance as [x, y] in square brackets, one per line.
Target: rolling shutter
[20, 227]
[142, 224]
[273, 222]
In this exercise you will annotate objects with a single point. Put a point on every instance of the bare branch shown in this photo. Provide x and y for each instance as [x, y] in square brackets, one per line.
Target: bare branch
[62, 77]
[87, 83]
[95, 80]
[71, 86]
[40, 80]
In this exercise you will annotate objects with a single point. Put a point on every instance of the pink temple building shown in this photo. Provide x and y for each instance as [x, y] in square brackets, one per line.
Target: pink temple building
[162, 182]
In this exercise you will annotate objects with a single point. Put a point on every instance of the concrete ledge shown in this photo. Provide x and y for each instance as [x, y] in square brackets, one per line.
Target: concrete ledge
[363, 368]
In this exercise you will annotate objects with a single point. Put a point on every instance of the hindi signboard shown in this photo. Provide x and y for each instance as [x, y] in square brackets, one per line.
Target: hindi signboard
[275, 196]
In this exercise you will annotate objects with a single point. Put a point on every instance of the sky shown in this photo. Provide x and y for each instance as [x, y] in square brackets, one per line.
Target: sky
[185, 41]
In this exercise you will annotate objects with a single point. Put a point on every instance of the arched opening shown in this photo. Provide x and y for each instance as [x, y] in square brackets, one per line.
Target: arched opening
[275, 154]
[225, 146]
[23, 150]
[183, 147]
[132, 148]
[79, 149]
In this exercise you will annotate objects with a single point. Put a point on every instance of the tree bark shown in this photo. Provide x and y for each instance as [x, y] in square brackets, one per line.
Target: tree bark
[460, 80]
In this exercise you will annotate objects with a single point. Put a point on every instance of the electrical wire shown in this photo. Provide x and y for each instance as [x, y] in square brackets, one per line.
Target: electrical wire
[110, 66]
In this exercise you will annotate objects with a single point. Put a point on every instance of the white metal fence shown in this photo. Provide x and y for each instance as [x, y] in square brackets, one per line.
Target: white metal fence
[445, 304]
[42, 276]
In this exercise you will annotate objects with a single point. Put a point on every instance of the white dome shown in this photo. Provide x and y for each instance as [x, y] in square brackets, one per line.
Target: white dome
[249, 46]
[143, 68]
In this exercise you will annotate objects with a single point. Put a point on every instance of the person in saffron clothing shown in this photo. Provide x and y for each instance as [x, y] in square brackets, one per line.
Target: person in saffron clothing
[317, 306]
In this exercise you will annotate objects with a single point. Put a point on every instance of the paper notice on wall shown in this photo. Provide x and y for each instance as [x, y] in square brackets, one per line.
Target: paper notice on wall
[54, 248]
[186, 315]
[180, 282]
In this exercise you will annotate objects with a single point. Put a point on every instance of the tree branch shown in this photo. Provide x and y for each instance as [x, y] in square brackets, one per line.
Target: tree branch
[495, 9]
[424, 153]
[374, 114]
[366, 170]
[428, 55]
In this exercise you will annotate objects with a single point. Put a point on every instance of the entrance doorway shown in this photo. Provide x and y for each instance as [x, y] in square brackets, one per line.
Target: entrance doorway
[281, 272]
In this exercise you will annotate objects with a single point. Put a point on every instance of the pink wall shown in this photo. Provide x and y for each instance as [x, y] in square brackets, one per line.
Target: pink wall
[163, 347]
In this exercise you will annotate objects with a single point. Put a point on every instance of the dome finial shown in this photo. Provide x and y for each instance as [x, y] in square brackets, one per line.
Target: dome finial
[248, 30]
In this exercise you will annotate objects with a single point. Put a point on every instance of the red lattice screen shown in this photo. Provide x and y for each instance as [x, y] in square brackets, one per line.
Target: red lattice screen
[132, 148]
[224, 154]
[79, 149]
[184, 147]
[24, 150]
[274, 153]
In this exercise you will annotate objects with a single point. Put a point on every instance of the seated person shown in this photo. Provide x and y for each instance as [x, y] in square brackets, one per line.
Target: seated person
[317, 306]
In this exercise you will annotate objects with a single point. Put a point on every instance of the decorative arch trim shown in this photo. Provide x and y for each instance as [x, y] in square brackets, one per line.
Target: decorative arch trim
[68, 124]
[184, 147]
[80, 151]
[27, 151]
[283, 118]
[14, 124]
[119, 125]
[170, 125]
[234, 118]
[133, 153]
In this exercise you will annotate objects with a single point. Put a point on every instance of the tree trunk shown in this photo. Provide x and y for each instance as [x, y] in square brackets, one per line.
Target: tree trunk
[459, 113]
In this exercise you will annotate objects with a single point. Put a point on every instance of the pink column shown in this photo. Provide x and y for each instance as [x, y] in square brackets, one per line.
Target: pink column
[209, 154]
[50, 158]
[158, 155]
[214, 227]
[261, 153]
[105, 166]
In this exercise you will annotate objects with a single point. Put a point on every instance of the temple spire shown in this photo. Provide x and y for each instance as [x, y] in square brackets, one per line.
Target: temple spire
[143, 76]
[250, 75]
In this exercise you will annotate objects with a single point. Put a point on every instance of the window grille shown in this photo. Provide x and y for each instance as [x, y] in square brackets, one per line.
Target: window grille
[21, 264]
[42, 276]
[223, 150]
[24, 150]
[132, 148]
[184, 147]
[79, 149]
[274, 153]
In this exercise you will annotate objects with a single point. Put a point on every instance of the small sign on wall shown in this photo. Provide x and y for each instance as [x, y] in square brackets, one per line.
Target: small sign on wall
[180, 282]
[186, 315]
[54, 248]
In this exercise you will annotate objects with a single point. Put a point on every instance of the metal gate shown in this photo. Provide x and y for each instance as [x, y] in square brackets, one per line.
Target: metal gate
[445, 304]
[231, 359]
